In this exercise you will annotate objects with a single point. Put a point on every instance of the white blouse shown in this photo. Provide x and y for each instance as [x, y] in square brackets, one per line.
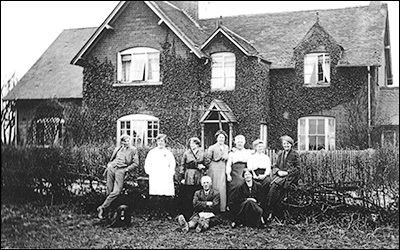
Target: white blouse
[259, 161]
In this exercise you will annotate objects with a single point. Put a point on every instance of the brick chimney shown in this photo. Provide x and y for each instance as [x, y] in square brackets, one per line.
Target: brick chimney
[190, 7]
[374, 5]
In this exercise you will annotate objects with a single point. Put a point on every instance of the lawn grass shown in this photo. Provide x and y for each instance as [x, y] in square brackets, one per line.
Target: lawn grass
[62, 226]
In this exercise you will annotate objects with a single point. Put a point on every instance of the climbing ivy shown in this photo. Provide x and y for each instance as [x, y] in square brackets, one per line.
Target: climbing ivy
[291, 100]
[179, 102]
[277, 97]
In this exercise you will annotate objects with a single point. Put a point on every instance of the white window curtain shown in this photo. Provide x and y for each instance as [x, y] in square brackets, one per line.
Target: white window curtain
[223, 71]
[327, 69]
[316, 133]
[140, 128]
[138, 67]
[137, 126]
[154, 67]
[312, 71]
[139, 64]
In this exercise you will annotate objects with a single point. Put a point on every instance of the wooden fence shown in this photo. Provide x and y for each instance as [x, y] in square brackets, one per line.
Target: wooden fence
[368, 175]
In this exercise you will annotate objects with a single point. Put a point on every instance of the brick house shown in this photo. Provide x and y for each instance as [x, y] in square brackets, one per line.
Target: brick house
[155, 67]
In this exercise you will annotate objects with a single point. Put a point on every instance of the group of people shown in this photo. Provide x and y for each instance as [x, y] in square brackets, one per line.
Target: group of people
[239, 183]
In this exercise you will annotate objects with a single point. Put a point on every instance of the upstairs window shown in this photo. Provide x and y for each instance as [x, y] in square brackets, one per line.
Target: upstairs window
[139, 66]
[317, 69]
[223, 71]
[316, 133]
[143, 129]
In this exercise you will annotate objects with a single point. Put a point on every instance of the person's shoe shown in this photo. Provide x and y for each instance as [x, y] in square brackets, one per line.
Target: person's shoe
[100, 209]
[198, 228]
[269, 218]
[182, 222]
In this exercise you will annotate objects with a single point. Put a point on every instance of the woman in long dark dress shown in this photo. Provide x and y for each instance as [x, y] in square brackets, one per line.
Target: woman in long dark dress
[246, 206]
[285, 173]
[216, 157]
[237, 161]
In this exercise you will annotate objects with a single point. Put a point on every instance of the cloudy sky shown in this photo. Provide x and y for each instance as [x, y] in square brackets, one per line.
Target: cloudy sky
[29, 28]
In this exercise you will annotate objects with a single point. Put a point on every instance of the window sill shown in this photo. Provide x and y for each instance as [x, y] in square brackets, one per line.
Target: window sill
[214, 90]
[318, 85]
[124, 84]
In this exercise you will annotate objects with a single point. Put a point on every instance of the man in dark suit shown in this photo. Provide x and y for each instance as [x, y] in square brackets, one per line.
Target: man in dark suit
[206, 208]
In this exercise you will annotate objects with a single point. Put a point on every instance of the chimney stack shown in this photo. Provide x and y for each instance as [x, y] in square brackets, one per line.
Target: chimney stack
[190, 7]
[374, 5]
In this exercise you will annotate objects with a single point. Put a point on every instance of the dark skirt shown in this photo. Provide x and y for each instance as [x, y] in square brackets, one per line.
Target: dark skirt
[237, 180]
[249, 214]
[193, 177]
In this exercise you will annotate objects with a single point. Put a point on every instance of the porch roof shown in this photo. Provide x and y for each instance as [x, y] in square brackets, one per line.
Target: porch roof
[220, 106]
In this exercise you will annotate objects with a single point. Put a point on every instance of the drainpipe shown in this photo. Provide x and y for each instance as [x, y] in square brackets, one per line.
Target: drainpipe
[369, 106]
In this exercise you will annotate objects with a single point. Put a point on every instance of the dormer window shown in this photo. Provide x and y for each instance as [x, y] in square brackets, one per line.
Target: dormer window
[223, 71]
[317, 69]
[139, 66]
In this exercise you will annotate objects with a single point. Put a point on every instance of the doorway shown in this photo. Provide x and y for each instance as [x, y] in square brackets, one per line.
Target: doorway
[209, 133]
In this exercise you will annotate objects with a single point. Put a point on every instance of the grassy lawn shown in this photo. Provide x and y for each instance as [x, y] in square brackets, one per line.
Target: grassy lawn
[37, 226]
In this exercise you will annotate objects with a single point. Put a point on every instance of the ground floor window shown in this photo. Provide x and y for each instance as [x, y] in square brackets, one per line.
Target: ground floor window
[47, 131]
[142, 128]
[316, 133]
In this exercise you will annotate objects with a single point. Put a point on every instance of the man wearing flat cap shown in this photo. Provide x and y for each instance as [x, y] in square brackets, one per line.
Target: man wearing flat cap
[285, 172]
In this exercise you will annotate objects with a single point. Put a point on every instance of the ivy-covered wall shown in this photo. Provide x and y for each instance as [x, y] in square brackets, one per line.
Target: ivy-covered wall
[180, 100]
[277, 97]
[293, 100]
[249, 100]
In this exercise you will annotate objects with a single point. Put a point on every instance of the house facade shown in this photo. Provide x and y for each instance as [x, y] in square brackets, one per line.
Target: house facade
[48, 98]
[155, 67]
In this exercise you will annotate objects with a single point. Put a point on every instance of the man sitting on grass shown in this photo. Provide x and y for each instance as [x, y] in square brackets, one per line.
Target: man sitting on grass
[206, 208]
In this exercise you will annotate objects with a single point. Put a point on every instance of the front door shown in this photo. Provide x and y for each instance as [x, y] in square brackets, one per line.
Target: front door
[209, 133]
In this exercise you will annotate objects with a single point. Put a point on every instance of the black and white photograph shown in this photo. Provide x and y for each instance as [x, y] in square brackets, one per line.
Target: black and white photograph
[200, 124]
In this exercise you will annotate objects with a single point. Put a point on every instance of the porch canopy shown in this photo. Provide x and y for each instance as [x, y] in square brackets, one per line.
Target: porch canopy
[218, 112]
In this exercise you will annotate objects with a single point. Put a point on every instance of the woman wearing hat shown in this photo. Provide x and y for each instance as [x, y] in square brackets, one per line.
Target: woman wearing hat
[285, 172]
[216, 157]
[191, 170]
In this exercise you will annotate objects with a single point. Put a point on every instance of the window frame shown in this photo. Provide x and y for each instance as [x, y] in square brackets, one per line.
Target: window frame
[226, 86]
[142, 123]
[326, 74]
[40, 134]
[304, 136]
[136, 53]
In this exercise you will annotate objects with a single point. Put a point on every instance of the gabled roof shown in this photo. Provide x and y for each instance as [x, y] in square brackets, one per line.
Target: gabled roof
[273, 36]
[388, 106]
[359, 30]
[236, 39]
[52, 75]
[185, 25]
[218, 106]
[181, 24]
